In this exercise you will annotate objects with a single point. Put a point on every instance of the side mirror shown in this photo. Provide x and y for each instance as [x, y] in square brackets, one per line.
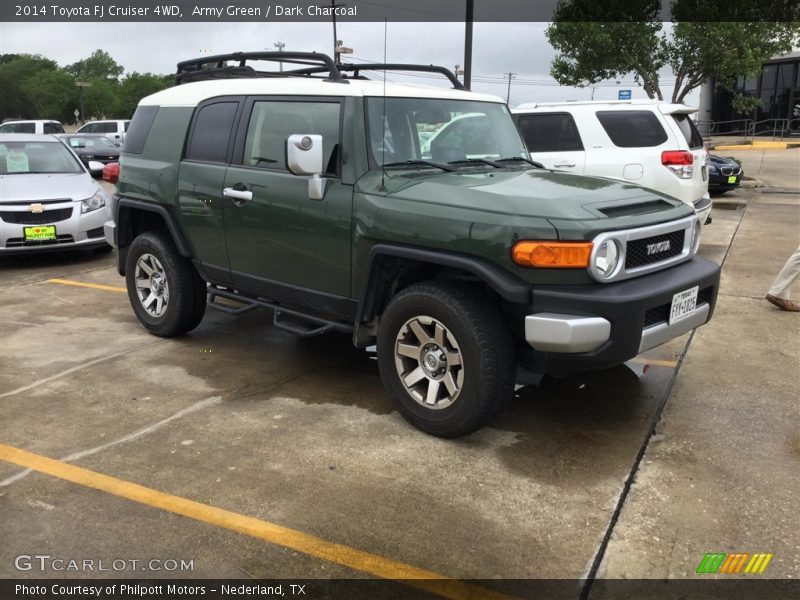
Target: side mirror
[304, 157]
[96, 168]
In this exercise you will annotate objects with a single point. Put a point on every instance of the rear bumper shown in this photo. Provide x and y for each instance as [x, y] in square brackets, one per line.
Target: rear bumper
[582, 328]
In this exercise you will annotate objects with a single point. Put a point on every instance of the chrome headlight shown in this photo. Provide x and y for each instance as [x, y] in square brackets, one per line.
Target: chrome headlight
[93, 203]
[606, 258]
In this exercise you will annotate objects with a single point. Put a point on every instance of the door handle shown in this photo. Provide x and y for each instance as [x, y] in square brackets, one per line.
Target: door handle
[238, 196]
[564, 164]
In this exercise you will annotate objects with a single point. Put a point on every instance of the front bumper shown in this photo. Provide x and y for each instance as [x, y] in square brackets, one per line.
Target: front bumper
[74, 230]
[580, 328]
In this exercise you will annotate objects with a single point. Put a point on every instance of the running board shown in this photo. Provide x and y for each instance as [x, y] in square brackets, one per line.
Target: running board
[316, 325]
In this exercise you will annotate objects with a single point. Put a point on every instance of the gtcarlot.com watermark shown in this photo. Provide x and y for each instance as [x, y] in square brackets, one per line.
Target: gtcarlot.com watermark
[48, 563]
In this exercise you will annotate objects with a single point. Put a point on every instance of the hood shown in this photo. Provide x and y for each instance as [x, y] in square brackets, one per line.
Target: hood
[721, 161]
[36, 187]
[533, 193]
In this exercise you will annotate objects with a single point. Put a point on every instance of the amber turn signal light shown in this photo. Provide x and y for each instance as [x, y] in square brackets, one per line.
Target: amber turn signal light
[552, 255]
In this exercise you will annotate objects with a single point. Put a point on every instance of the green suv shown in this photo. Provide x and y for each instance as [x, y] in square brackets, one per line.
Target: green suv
[408, 217]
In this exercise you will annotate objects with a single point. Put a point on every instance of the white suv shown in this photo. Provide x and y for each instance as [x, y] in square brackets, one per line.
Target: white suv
[37, 126]
[114, 129]
[648, 143]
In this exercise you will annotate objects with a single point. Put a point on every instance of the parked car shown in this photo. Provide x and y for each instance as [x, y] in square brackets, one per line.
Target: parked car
[38, 126]
[92, 147]
[652, 144]
[264, 191]
[113, 129]
[48, 198]
[724, 174]
[111, 172]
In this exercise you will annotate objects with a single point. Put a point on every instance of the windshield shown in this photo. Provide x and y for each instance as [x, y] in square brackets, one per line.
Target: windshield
[88, 142]
[18, 158]
[440, 130]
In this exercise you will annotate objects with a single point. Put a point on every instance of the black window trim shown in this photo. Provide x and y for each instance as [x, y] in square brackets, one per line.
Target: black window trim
[240, 100]
[237, 159]
[559, 112]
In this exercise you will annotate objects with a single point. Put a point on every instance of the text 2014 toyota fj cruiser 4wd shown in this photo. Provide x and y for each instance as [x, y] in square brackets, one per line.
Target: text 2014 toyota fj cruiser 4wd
[383, 211]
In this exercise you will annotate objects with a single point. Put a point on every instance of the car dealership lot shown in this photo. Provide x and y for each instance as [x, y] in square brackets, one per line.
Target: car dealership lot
[242, 417]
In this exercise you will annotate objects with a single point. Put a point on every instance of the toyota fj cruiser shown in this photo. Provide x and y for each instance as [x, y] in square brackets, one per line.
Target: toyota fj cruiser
[379, 210]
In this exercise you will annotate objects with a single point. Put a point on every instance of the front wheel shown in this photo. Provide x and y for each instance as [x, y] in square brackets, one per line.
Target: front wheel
[445, 357]
[165, 291]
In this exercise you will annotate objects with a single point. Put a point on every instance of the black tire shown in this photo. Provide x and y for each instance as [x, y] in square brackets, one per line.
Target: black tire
[185, 303]
[474, 334]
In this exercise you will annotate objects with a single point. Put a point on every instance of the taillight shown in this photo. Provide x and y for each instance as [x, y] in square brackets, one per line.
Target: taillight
[679, 162]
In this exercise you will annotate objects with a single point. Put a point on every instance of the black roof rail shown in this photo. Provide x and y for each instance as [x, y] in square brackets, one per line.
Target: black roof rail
[215, 67]
[357, 68]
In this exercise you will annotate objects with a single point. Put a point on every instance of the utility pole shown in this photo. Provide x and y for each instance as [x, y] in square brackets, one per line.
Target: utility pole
[510, 77]
[334, 6]
[280, 46]
[468, 44]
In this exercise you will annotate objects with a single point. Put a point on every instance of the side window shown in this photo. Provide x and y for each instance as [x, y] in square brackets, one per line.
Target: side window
[53, 128]
[271, 122]
[550, 132]
[127, 124]
[632, 128]
[689, 131]
[211, 132]
[107, 127]
[140, 128]
[88, 128]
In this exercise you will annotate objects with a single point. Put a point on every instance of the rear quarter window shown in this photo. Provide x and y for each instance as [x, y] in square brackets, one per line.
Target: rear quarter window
[211, 132]
[53, 128]
[632, 128]
[141, 123]
[689, 131]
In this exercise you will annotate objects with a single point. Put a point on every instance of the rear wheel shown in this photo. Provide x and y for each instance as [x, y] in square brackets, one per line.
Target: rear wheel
[445, 357]
[167, 294]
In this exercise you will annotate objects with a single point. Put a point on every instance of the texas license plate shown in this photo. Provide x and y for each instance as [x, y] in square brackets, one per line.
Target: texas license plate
[732, 179]
[683, 305]
[40, 233]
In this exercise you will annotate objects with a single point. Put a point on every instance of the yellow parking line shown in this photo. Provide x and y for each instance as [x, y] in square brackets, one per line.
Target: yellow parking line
[359, 560]
[94, 286]
[655, 362]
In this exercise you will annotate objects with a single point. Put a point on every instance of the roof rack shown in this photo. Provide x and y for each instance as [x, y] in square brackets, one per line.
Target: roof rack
[215, 67]
[357, 68]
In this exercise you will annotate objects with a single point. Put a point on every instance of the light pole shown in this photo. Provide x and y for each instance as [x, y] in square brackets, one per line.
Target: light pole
[334, 6]
[468, 18]
[510, 77]
[280, 46]
[81, 85]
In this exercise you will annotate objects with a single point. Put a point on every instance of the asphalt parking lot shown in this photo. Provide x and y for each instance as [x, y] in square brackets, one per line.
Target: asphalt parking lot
[255, 454]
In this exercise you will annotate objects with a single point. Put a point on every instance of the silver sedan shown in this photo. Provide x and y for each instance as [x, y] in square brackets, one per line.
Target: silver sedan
[48, 198]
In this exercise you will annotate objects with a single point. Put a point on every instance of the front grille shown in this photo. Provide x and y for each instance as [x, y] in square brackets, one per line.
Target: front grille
[30, 218]
[730, 170]
[662, 248]
[660, 314]
[21, 243]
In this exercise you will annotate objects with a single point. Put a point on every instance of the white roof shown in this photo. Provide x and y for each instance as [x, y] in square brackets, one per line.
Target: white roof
[666, 108]
[191, 94]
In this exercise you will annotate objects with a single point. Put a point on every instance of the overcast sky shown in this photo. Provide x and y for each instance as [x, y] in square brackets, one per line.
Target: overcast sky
[498, 48]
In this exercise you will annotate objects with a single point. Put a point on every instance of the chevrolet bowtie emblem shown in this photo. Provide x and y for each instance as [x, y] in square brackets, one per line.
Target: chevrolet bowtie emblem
[36, 208]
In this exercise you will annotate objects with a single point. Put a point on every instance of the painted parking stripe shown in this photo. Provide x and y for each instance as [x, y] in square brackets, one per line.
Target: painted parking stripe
[353, 558]
[641, 360]
[94, 286]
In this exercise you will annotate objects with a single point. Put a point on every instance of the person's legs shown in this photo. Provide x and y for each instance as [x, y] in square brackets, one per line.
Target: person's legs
[779, 292]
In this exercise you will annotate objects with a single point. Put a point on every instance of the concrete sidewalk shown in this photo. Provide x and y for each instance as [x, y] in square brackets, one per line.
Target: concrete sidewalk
[721, 473]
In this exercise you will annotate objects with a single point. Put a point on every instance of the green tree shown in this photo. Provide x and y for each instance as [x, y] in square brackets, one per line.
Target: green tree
[603, 41]
[136, 86]
[99, 65]
[52, 94]
[15, 70]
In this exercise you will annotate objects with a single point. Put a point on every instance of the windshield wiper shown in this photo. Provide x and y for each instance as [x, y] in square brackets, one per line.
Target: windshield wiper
[418, 163]
[468, 161]
[520, 158]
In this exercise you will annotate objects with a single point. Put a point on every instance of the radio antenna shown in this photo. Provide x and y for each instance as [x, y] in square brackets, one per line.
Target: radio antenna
[383, 116]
